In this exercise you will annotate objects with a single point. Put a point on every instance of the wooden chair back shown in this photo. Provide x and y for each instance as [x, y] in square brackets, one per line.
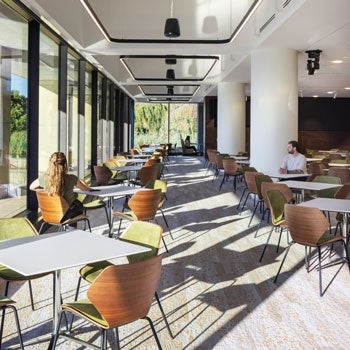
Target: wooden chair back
[343, 192]
[342, 173]
[249, 177]
[151, 161]
[124, 293]
[102, 174]
[306, 225]
[148, 173]
[144, 204]
[230, 166]
[283, 188]
[52, 207]
[317, 168]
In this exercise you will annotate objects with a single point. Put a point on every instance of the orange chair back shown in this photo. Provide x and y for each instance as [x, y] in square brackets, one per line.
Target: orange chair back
[144, 204]
[52, 207]
[131, 285]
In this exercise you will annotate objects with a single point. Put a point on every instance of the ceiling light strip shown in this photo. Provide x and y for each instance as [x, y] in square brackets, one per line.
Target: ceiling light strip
[93, 16]
[245, 19]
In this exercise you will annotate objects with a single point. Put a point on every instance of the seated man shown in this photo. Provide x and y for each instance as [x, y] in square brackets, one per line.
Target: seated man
[294, 162]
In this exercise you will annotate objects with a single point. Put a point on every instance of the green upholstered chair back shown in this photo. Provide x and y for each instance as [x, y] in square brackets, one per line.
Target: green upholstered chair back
[16, 228]
[276, 203]
[328, 193]
[145, 234]
[259, 179]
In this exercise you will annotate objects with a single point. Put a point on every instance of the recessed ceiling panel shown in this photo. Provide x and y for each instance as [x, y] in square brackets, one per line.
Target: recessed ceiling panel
[214, 21]
[183, 68]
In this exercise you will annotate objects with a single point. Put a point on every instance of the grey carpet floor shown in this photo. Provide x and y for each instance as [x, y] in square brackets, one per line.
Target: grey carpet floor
[214, 291]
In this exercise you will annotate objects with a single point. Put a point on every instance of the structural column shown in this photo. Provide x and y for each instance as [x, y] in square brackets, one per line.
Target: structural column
[274, 106]
[231, 118]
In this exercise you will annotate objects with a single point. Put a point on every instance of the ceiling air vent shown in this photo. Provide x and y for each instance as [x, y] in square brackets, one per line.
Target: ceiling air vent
[263, 27]
[286, 3]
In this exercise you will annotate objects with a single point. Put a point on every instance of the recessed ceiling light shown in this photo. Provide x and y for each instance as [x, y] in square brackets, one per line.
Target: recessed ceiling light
[347, 88]
[337, 61]
[315, 96]
[330, 92]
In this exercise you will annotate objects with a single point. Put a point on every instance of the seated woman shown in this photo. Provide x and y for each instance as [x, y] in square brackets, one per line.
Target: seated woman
[188, 144]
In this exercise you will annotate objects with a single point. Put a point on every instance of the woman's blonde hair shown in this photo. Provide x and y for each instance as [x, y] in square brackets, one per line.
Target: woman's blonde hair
[55, 173]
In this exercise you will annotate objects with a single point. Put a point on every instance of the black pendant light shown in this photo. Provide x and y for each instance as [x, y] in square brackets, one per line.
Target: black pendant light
[170, 74]
[170, 90]
[172, 26]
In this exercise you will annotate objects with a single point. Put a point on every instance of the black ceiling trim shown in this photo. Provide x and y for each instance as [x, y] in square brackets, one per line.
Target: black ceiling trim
[104, 31]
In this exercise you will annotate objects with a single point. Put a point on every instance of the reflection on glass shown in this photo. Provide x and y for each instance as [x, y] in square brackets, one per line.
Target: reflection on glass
[88, 125]
[13, 112]
[72, 113]
[48, 101]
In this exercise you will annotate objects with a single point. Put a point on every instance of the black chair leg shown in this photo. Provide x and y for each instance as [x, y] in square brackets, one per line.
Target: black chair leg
[280, 268]
[163, 314]
[154, 332]
[166, 223]
[266, 244]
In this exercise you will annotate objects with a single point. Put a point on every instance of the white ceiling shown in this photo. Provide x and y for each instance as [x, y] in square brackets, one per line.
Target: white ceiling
[298, 24]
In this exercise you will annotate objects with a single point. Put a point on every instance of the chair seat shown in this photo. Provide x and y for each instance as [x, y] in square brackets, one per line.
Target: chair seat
[91, 271]
[95, 204]
[86, 308]
[11, 275]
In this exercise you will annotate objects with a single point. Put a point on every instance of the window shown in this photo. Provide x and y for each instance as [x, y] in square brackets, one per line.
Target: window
[48, 101]
[13, 112]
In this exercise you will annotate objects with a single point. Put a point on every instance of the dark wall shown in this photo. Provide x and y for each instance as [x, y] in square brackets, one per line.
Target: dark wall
[324, 123]
[326, 114]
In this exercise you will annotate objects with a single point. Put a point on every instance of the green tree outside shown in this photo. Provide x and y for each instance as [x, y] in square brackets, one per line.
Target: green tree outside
[151, 123]
[18, 125]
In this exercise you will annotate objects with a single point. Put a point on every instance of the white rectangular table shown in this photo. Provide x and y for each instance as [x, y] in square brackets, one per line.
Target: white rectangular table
[110, 192]
[311, 186]
[56, 251]
[332, 205]
[277, 175]
[343, 165]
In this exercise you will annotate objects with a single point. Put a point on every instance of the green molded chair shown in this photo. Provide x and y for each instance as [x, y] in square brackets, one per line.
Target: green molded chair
[120, 294]
[139, 232]
[6, 303]
[329, 193]
[117, 175]
[11, 228]
[276, 201]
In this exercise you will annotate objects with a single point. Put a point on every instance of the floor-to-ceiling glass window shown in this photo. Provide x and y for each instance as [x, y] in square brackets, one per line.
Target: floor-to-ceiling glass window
[100, 123]
[48, 100]
[72, 113]
[13, 112]
[157, 123]
[88, 122]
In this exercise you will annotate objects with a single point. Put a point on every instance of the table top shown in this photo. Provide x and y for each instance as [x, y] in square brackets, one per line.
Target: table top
[136, 156]
[60, 250]
[329, 204]
[315, 159]
[277, 175]
[134, 160]
[109, 191]
[312, 186]
[239, 157]
[346, 165]
[126, 168]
